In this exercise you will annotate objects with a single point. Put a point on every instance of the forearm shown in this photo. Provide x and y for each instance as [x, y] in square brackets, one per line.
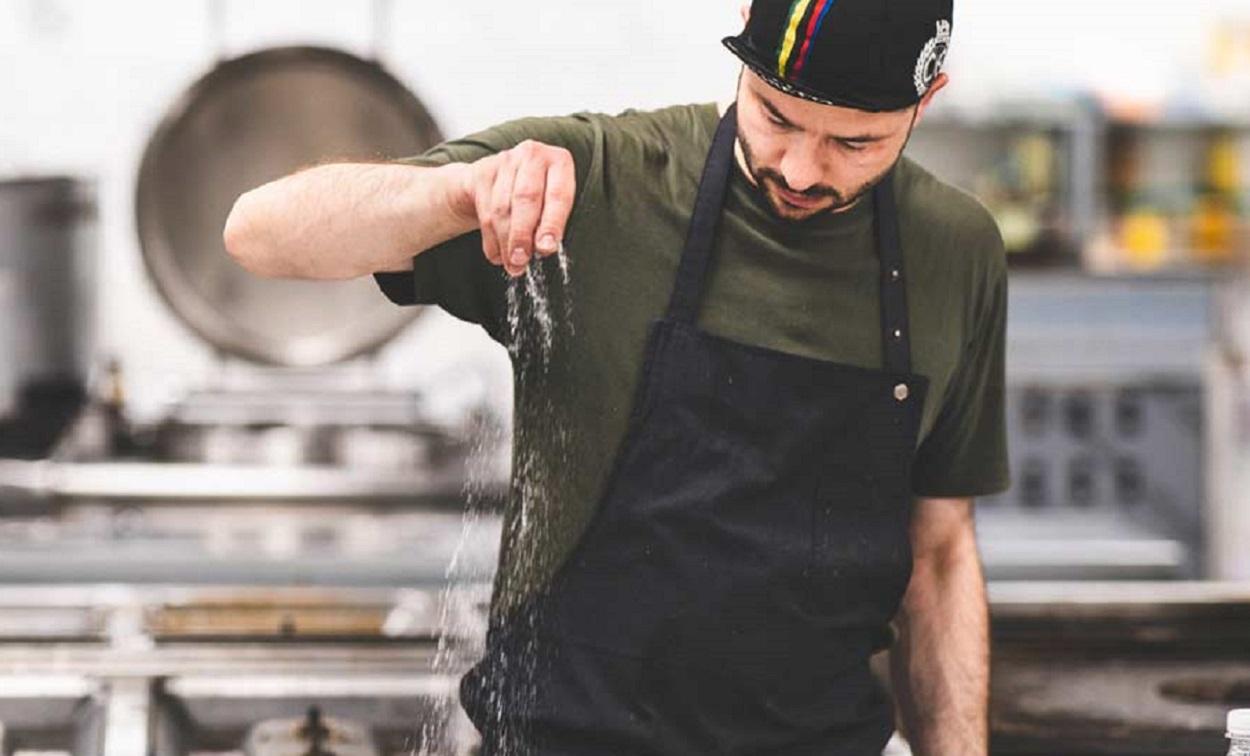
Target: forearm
[343, 220]
[939, 666]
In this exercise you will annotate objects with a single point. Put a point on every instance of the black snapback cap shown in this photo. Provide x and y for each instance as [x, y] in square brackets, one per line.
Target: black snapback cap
[874, 55]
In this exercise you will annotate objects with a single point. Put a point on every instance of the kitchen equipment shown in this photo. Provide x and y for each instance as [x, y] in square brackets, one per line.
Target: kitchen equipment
[46, 302]
[305, 423]
[1176, 192]
[1238, 732]
[1080, 669]
[311, 734]
[1145, 668]
[310, 540]
[1026, 161]
[248, 121]
[1106, 430]
[369, 430]
[177, 671]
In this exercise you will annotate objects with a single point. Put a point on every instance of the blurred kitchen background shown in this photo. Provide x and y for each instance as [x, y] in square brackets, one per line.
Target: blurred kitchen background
[260, 517]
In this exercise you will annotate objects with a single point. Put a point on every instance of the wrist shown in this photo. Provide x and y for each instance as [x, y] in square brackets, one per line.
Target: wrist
[432, 206]
[460, 196]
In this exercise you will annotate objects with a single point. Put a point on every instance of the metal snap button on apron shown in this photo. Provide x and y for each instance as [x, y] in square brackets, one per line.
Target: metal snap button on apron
[731, 586]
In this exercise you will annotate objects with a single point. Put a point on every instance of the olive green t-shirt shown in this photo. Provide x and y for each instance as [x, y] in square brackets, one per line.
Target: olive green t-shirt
[808, 287]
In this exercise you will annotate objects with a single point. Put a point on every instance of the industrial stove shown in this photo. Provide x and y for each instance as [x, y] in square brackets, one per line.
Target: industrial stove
[176, 671]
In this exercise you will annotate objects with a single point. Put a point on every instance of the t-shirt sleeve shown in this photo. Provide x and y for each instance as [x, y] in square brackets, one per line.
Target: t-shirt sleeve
[456, 275]
[965, 453]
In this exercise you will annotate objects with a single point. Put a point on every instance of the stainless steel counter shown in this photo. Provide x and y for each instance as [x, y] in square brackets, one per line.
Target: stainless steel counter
[1117, 668]
[171, 671]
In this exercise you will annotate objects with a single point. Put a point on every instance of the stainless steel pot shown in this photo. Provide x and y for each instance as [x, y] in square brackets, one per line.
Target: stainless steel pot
[248, 121]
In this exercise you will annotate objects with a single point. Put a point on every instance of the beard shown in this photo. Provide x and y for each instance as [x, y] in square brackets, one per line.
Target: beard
[768, 182]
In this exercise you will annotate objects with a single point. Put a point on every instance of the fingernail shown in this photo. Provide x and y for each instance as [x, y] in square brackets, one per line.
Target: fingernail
[547, 243]
[518, 256]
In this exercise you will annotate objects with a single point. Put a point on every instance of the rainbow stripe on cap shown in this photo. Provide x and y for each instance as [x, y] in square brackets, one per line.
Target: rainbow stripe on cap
[793, 51]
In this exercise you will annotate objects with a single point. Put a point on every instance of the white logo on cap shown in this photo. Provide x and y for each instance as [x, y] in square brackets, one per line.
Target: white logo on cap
[932, 57]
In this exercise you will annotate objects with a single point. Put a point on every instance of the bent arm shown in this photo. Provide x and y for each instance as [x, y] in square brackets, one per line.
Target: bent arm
[940, 664]
[344, 220]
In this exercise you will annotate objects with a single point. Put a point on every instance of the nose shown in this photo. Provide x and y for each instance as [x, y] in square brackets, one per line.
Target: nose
[801, 166]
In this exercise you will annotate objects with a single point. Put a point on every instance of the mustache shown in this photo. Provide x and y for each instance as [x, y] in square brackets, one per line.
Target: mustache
[812, 192]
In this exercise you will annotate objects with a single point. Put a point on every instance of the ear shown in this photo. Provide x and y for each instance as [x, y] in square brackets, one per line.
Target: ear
[939, 81]
[745, 10]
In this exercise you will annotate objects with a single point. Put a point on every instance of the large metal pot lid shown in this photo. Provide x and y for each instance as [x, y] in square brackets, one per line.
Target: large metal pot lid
[248, 121]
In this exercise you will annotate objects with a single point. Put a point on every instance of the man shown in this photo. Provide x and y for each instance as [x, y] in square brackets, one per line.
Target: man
[749, 461]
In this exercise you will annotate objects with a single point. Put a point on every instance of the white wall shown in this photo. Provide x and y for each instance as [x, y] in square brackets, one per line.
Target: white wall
[1132, 48]
[83, 83]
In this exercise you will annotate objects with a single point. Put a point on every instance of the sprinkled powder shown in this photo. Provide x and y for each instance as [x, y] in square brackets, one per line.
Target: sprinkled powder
[534, 327]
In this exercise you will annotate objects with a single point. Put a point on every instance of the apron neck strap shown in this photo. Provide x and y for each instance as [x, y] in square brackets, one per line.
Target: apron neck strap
[895, 331]
[683, 305]
[696, 256]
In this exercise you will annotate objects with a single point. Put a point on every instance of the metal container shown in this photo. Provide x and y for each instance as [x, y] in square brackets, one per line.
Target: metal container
[46, 283]
[246, 122]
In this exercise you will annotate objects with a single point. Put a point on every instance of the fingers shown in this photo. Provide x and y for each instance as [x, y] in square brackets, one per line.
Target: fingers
[501, 212]
[528, 191]
[557, 205]
[483, 185]
[523, 198]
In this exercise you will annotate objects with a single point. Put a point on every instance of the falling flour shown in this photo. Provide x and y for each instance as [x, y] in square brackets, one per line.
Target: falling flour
[539, 313]
[522, 330]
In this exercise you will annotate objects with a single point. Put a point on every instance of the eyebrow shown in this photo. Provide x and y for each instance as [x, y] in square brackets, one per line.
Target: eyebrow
[857, 139]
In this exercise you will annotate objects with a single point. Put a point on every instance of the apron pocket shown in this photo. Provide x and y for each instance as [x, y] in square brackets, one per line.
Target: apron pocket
[861, 549]
[851, 478]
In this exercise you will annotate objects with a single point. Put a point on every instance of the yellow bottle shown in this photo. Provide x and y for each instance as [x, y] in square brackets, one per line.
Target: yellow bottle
[1212, 228]
[1213, 224]
[1144, 238]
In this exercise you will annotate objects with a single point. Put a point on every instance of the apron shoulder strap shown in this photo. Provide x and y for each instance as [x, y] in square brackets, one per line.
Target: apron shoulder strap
[696, 256]
[895, 333]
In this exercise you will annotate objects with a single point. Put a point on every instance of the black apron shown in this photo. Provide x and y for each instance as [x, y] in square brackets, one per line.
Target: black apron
[748, 553]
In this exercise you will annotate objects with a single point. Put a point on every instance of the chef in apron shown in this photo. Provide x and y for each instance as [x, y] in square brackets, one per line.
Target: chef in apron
[697, 614]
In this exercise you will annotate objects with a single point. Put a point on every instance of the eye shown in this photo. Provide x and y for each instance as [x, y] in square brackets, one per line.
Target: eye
[853, 146]
[774, 120]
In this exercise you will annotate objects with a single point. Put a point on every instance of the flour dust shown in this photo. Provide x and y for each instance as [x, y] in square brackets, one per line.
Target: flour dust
[539, 315]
